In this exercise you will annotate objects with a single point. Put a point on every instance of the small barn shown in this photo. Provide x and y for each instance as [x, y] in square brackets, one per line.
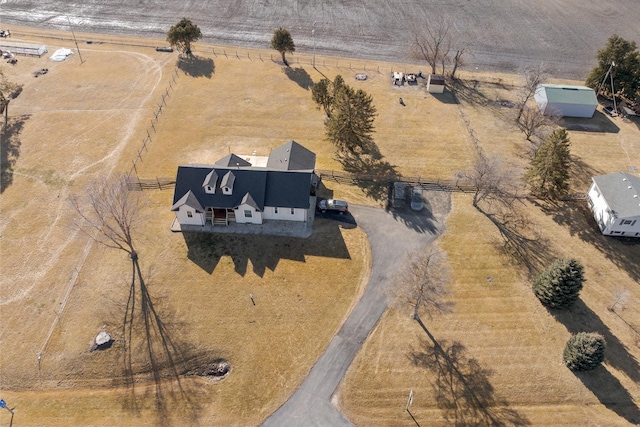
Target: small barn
[28, 49]
[566, 101]
[435, 83]
[614, 200]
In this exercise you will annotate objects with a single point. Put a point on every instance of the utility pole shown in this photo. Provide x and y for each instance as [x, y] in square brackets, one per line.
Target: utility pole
[313, 35]
[75, 41]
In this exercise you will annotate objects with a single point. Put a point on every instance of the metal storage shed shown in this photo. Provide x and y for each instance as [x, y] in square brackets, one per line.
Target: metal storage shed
[23, 48]
[566, 101]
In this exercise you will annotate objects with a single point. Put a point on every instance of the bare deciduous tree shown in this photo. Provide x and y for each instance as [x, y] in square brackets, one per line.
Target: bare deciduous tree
[426, 280]
[532, 120]
[533, 78]
[109, 214]
[491, 180]
[458, 60]
[430, 44]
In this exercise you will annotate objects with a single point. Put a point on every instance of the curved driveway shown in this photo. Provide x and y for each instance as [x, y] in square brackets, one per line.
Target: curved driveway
[391, 237]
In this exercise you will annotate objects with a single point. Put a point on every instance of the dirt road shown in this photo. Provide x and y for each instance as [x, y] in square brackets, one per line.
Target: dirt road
[503, 35]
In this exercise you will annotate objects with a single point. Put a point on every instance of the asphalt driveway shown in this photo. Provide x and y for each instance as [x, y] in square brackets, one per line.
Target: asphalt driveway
[391, 235]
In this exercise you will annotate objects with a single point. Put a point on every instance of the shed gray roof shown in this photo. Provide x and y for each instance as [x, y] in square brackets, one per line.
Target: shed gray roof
[292, 156]
[232, 160]
[563, 94]
[619, 189]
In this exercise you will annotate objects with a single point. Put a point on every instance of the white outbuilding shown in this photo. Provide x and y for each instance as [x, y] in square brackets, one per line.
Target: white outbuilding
[435, 83]
[566, 101]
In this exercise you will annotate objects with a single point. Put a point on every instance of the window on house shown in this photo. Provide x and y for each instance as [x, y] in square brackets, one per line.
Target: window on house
[248, 213]
[190, 214]
[293, 211]
[275, 210]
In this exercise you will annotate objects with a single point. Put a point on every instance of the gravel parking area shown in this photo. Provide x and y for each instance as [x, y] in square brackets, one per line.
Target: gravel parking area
[504, 35]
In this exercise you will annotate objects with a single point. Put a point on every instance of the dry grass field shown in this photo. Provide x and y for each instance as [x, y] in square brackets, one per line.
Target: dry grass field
[84, 121]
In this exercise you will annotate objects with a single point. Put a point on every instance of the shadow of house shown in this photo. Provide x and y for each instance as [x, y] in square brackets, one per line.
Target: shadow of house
[264, 252]
[598, 123]
[10, 150]
[195, 66]
[611, 393]
[580, 318]
[576, 216]
[462, 387]
[300, 76]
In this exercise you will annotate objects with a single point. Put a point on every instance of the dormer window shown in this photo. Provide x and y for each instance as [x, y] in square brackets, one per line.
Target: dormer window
[210, 181]
[227, 183]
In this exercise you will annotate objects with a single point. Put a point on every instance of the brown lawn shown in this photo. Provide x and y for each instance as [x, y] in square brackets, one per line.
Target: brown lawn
[85, 121]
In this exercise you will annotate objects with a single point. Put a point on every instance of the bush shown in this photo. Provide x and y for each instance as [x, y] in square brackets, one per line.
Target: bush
[584, 351]
[559, 286]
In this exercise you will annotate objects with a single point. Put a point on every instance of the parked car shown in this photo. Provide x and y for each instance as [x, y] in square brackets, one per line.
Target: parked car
[610, 111]
[416, 198]
[399, 196]
[333, 205]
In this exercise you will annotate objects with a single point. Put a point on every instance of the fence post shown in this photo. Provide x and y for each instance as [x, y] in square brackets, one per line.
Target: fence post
[159, 186]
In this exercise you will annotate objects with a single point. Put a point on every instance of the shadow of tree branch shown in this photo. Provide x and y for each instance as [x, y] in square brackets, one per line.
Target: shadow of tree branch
[10, 149]
[462, 387]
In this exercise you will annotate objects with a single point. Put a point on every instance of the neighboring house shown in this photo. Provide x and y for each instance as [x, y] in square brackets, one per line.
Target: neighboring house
[247, 190]
[614, 200]
[566, 101]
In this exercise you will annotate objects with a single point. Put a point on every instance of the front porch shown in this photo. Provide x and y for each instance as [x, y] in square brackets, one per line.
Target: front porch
[268, 227]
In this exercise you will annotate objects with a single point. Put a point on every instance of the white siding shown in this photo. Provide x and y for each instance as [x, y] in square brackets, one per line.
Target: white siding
[284, 214]
[241, 218]
[196, 218]
[608, 223]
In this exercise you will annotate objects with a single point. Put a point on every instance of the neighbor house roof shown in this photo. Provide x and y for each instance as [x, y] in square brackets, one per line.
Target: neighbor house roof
[621, 191]
[563, 94]
[292, 156]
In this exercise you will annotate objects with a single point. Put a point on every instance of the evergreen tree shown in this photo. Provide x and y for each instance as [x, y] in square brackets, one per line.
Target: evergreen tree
[625, 58]
[548, 175]
[323, 93]
[183, 34]
[351, 123]
[283, 43]
[584, 351]
[559, 285]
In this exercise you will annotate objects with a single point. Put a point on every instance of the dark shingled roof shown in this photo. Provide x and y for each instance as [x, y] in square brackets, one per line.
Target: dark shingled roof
[188, 199]
[619, 189]
[291, 156]
[270, 188]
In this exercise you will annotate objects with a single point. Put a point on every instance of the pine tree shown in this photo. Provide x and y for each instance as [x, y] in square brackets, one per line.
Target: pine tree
[559, 286]
[351, 123]
[548, 175]
[584, 351]
[623, 59]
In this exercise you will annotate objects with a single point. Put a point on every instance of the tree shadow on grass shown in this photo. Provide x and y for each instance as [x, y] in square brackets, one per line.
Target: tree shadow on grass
[369, 171]
[578, 219]
[300, 76]
[532, 251]
[469, 92]
[580, 318]
[150, 349]
[611, 393]
[264, 252]
[10, 149]
[462, 387]
[195, 66]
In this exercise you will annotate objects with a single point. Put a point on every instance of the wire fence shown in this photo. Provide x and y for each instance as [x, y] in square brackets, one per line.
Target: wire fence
[152, 127]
